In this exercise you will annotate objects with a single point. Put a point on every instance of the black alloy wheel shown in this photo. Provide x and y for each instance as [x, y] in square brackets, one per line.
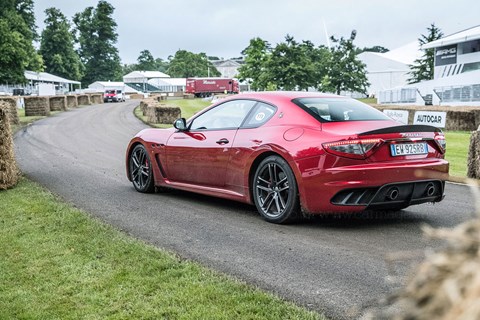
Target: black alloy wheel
[140, 168]
[275, 191]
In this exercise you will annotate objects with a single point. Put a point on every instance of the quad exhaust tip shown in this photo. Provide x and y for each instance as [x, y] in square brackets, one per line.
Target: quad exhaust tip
[430, 189]
[393, 194]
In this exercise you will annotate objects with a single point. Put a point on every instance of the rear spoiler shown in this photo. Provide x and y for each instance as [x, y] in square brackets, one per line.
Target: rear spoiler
[405, 128]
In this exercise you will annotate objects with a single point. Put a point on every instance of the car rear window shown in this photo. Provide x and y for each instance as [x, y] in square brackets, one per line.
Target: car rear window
[339, 109]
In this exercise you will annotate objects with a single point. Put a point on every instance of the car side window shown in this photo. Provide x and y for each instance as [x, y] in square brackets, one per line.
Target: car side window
[228, 115]
[262, 113]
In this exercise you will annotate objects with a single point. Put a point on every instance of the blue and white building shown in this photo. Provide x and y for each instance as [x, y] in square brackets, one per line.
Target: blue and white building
[456, 74]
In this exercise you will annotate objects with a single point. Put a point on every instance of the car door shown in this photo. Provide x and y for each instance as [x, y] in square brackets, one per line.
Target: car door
[200, 154]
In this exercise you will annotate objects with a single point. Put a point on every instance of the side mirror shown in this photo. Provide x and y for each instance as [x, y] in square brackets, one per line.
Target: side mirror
[180, 124]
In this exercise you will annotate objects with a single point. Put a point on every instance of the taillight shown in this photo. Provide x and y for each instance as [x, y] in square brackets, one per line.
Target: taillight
[441, 142]
[357, 149]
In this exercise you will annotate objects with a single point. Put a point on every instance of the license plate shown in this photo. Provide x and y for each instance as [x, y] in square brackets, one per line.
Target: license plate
[405, 149]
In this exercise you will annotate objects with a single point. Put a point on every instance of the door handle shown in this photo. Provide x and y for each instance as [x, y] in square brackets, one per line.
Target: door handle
[223, 141]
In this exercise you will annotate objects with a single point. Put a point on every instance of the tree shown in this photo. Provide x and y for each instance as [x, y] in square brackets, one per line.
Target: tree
[161, 65]
[291, 66]
[379, 49]
[187, 64]
[346, 72]
[56, 47]
[16, 45]
[423, 68]
[254, 70]
[97, 37]
[25, 9]
[145, 61]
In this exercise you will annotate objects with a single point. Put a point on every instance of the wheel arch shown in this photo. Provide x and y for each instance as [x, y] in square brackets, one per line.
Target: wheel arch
[256, 162]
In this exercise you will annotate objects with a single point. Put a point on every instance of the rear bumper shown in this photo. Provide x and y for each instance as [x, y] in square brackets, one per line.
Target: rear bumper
[392, 196]
[370, 186]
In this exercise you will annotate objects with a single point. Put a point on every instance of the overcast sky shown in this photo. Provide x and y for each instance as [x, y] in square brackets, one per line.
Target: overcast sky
[223, 28]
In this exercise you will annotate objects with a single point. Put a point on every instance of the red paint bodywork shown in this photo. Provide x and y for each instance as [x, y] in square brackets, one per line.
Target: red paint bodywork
[193, 161]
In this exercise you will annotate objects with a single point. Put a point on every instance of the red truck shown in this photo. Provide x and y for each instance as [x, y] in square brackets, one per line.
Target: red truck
[205, 87]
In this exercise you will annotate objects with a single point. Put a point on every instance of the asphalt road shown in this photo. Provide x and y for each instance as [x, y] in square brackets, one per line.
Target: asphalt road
[330, 264]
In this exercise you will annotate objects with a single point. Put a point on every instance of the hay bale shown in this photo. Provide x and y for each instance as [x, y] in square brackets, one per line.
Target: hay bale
[11, 103]
[37, 106]
[460, 120]
[136, 96]
[473, 162]
[72, 102]
[96, 98]
[163, 114]
[447, 284]
[145, 103]
[83, 100]
[58, 103]
[8, 166]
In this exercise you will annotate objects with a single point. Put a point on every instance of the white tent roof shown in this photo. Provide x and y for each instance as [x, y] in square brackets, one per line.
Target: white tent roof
[109, 83]
[145, 74]
[168, 82]
[378, 63]
[406, 54]
[47, 77]
[462, 36]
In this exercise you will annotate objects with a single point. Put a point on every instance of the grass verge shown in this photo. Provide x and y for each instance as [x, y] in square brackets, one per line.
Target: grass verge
[457, 151]
[58, 263]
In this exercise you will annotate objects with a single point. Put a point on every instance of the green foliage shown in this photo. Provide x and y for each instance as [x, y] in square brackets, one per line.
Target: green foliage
[16, 45]
[146, 62]
[56, 47]
[257, 54]
[423, 68]
[97, 37]
[293, 65]
[345, 71]
[187, 64]
[25, 8]
[379, 49]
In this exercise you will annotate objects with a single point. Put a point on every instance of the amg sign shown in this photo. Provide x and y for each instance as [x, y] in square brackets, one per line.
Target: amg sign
[446, 55]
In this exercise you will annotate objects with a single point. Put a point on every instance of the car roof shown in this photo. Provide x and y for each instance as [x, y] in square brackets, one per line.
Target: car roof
[281, 96]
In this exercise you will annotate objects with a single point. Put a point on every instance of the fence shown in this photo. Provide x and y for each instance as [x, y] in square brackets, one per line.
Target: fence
[404, 95]
[468, 93]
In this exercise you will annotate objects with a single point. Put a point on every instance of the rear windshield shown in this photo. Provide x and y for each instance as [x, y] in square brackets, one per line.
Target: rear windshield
[339, 109]
[110, 91]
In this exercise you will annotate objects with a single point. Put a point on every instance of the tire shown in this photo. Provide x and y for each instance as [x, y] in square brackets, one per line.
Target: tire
[275, 191]
[140, 169]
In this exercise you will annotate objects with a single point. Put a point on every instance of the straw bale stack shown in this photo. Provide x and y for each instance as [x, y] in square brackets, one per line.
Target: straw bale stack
[447, 284]
[162, 113]
[8, 165]
[58, 103]
[37, 106]
[473, 162]
[12, 108]
[72, 101]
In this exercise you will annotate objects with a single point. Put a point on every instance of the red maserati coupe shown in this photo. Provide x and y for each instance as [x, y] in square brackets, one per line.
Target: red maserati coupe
[293, 154]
